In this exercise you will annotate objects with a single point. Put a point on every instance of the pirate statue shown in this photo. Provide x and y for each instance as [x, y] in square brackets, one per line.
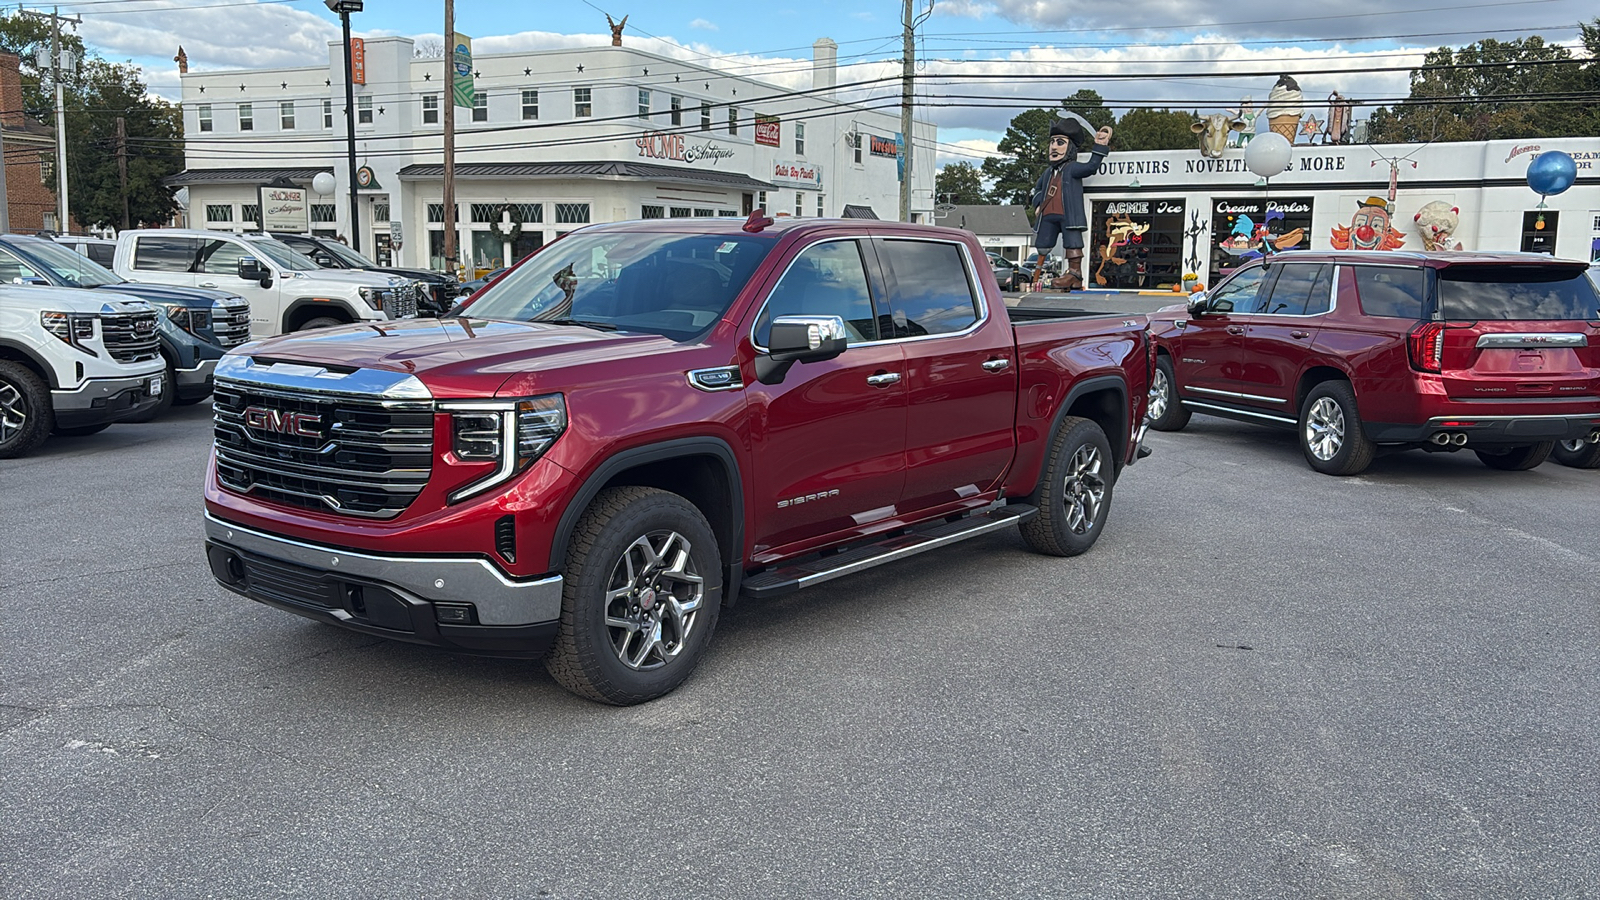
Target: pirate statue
[1058, 196]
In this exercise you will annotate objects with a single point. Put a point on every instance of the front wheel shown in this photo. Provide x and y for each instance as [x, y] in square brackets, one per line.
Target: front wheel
[1167, 412]
[1517, 459]
[1577, 454]
[640, 599]
[320, 322]
[1074, 492]
[1331, 434]
[26, 416]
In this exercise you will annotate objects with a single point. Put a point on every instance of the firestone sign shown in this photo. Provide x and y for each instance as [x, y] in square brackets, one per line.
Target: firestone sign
[659, 145]
[795, 173]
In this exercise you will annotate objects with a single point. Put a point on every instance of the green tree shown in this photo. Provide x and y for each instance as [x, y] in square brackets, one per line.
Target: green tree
[1155, 129]
[1499, 102]
[154, 130]
[1089, 104]
[1024, 153]
[960, 183]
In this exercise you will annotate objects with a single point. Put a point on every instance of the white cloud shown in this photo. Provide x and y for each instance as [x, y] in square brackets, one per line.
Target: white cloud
[704, 25]
[972, 151]
[254, 35]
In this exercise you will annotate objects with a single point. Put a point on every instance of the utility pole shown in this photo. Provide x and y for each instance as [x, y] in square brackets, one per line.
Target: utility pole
[907, 64]
[344, 8]
[5, 201]
[450, 136]
[122, 167]
[64, 225]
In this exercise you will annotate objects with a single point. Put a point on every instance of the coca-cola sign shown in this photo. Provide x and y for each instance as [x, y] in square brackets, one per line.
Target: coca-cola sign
[769, 131]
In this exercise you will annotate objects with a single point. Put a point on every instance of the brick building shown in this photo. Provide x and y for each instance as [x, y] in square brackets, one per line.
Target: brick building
[29, 157]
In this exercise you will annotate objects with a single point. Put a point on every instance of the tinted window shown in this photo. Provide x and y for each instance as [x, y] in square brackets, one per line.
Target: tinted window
[824, 280]
[1240, 293]
[1390, 291]
[221, 258]
[1292, 289]
[103, 254]
[156, 253]
[932, 292]
[1321, 299]
[1517, 292]
[13, 269]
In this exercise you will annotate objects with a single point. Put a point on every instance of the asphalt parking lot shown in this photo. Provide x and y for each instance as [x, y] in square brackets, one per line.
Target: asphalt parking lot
[1263, 682]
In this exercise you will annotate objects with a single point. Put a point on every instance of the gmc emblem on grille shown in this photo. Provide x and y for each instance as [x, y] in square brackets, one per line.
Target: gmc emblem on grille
[283, 421]
[144, 327]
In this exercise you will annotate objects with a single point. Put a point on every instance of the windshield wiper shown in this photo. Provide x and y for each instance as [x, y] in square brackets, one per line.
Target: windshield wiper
[583, 323]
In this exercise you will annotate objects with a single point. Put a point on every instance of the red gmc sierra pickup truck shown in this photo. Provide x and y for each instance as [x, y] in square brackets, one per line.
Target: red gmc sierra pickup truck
[643, 421]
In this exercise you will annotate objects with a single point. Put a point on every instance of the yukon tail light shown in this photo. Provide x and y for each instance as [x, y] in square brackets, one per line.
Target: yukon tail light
[1425, 346]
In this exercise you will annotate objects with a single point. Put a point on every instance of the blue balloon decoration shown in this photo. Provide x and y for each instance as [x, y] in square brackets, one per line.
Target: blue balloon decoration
[1552, 172]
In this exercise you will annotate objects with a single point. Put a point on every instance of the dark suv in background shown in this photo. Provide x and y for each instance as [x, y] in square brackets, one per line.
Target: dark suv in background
[1498, 353]
[330, 254]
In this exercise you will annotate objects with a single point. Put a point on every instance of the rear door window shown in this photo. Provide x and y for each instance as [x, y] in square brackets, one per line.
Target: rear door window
[1392, 291]
[1517, 293]
[932, 292]
[160, 253]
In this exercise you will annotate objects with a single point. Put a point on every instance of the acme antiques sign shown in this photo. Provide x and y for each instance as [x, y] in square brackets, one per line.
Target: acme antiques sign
[660, 145]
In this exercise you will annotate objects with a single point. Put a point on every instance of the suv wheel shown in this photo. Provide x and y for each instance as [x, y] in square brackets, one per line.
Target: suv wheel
[1074, 492]
[26, 416]
[1331, 435]
[1167, 412]
[1517, 459]
[642, 590]
[1577, 454]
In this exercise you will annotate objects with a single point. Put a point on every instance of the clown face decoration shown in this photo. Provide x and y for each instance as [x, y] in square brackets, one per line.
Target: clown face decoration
[1370, 229]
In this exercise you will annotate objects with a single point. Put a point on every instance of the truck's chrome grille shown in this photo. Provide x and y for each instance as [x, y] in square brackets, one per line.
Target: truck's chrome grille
[231, 325]
[343, 455]
[130, 337]
[401, 302]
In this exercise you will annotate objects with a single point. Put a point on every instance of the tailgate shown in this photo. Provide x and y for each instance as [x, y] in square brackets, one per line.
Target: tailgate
[1519, 331]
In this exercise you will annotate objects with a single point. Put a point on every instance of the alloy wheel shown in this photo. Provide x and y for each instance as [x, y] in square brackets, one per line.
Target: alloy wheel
[653, 599]
[1572, 446]
[1085, 489]
[1324, 433]
[13, 412]
[1158, 394]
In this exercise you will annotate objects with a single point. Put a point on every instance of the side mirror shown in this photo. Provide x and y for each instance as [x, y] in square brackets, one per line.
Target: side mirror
[30, 279]
[323, 260]
[1197, 303]
[250, 268]
[800, 339]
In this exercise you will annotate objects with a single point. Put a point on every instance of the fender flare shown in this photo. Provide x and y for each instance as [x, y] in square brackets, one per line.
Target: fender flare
[715, 447]
[1118, 385]
[40, 363]
[291, 309]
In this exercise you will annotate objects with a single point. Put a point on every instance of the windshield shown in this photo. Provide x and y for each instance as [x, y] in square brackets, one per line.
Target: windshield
[675, 285]
[282, 254]
[73, 268]
[1517, 293]
[351, 258]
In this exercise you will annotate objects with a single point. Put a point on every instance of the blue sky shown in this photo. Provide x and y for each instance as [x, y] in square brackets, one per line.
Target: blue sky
[1204, 40]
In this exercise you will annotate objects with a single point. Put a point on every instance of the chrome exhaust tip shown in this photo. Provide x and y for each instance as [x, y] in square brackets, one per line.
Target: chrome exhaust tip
[1441, 439]
[1459, 439]
[1594, 437]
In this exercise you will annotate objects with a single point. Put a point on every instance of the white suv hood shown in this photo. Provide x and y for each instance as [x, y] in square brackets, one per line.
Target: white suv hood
[78, 300]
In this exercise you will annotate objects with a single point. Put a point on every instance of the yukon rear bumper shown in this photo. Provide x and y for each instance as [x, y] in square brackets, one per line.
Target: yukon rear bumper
[1483, 430]
[461, 604]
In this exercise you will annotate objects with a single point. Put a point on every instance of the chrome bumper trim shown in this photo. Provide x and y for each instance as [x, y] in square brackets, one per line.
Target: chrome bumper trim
[499, 600]
[84, 395]
[198, 375]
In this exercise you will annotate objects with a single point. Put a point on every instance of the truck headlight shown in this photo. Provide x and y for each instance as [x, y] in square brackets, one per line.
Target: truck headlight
[71, 328]
[374, 297]
[512, 433]
[189, 320]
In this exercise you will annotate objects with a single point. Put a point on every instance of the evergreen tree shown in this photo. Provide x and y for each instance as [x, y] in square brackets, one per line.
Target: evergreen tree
[960, 183]
[1156, 129]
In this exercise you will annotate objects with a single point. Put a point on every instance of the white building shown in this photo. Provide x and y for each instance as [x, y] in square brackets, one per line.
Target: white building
[555, 139]
[1194, 205]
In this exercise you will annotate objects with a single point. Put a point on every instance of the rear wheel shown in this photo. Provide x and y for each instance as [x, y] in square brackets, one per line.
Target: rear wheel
[1074, 492]
[1517, 459]
[640, 599]
[26, 416]
[1167, 412]
[1331, 434]
[1577, 454]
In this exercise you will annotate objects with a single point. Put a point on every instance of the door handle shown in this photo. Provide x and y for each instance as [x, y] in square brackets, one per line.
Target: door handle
[883, 379]
[996, 365]
[1236, 329]
[1299, 335]
[208, 284]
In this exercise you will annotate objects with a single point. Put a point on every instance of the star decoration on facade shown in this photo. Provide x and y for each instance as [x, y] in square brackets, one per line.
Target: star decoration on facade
[527, 71]
[202, 89]
[427, 76]
[327, 81]
[285, 85]
[580, 67]
[241, 87]
[677, 79]
[708, 85]
[736, 92]
[380, 110]
[1311, 126]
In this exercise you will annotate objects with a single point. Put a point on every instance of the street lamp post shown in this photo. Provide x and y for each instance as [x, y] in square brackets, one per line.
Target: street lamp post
[344, 8]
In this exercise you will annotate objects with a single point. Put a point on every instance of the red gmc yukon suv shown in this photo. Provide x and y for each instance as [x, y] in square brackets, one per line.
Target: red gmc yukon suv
[1495, 353]
[644, 420]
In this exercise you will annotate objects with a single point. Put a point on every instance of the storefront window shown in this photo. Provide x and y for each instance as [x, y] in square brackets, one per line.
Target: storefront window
[1135, 244]
[1238, 225]
[1539, 231]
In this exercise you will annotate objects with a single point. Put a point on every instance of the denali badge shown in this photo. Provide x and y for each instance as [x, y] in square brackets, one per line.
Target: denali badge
[282, 421]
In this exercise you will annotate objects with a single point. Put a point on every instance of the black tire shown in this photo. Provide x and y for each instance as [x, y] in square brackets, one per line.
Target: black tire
[1517, 459]
[1346, 449]
[169, 386]
[83, 430]
[588, 655]
[1074, 495]
[1582, 456]
[26, 416]
[1174, 415]
[320, 322]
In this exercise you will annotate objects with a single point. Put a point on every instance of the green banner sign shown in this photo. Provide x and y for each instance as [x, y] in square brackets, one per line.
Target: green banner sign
[461, 70]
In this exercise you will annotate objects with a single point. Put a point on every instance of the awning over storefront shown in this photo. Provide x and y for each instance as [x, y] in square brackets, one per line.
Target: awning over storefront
[853, 211]
[244, 176]
[547, 170]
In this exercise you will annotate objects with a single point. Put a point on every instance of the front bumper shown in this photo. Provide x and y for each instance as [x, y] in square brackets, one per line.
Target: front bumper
[197, 381]
[102, 400]
[461, 604]
[1490, 430]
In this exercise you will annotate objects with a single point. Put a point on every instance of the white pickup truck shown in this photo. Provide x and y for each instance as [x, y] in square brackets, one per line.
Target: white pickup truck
[287, 291]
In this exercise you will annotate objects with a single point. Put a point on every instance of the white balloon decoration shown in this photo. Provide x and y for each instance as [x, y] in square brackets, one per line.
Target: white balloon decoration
[1268, 155]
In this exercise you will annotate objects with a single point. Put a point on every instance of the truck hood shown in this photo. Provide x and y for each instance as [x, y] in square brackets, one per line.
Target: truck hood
[350, 277]
[166, 293]
[459, 356]
[78, 300]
